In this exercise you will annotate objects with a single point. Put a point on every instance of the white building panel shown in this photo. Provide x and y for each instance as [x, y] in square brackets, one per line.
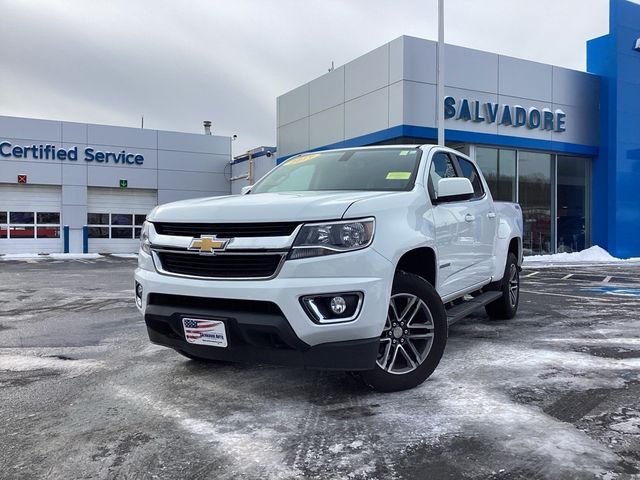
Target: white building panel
[41, 173]
[109, 176]
[525, 79]
[74, 132]
[470, 69]
[396, 60]
[419, 60]
[574, 88]
[293, 106]
[31, 129]
[366, 114]
[216, 183]
[192, 142]
[419, 104]
[74, 174]
[396, 104]
[192, 161]
[326, 91]
[326, 127]
[122, 136]
[293, 137]
[367, 73]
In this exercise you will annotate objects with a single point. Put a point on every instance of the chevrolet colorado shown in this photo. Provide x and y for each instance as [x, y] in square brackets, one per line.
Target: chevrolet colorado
[352, 259]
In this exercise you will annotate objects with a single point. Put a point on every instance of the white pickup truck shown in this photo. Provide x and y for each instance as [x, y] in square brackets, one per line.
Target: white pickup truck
[353, 259]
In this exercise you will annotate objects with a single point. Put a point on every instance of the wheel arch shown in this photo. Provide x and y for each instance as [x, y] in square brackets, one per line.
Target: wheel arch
[420, 261]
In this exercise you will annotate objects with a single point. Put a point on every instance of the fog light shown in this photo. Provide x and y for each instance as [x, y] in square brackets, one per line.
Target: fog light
[338, 305]
[139, 292]
[333, 307]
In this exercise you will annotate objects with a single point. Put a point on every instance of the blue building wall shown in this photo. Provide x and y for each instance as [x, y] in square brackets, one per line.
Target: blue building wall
[616, 170]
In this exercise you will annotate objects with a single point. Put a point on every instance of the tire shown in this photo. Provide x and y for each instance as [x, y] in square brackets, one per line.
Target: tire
[506, 306]
[407, 359]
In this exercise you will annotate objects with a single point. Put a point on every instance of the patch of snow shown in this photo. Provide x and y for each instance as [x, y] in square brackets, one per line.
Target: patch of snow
[57, 256]
[23, 363]
[125, 255]
[336, 448]
[593, 254]
[356, 444]
[248, 452]
[630, 427]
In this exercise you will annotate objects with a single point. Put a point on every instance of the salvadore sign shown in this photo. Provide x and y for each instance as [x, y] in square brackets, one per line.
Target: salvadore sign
[72, 154]
[504, 114]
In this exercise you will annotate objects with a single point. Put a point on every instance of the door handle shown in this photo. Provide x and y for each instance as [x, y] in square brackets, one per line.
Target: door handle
[469, 218]
[491, 215]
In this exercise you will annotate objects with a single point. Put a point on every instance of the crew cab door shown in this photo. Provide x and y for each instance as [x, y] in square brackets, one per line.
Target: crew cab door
[462, 229]
[485, 222]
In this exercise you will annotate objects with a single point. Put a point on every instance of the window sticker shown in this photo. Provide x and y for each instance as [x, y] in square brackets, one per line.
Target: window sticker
[398, 175]
[302, 159]
[404, 153]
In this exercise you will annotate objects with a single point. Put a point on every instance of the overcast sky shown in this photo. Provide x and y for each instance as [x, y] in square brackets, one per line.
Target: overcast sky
[185, 61]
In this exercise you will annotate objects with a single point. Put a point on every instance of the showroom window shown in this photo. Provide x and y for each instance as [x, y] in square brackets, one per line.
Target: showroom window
[534, 196]
[499, 169]
[28, 224]
[115, 225]
[573, 203]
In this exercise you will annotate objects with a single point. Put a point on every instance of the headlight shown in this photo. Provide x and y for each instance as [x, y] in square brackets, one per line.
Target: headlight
[145, 244]
[317, 239]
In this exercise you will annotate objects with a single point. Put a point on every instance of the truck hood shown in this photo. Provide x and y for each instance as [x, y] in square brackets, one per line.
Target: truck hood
[262, 207]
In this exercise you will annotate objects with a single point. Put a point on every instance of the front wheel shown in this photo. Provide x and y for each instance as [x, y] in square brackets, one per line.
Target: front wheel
[413, 338]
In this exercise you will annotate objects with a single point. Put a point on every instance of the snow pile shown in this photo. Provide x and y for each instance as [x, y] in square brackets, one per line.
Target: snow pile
[594, 254]
[57, 256]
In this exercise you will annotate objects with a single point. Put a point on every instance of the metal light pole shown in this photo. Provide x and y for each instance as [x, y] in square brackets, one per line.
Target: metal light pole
[440, 73]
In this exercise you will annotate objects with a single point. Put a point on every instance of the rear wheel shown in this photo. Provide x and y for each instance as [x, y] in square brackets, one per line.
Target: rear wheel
[413, 338]
[506, 306]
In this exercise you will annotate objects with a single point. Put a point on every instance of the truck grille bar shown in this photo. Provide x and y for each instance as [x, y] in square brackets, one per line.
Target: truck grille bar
[226, 230]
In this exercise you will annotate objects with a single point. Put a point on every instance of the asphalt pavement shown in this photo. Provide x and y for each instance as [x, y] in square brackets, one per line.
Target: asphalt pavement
[551, 394]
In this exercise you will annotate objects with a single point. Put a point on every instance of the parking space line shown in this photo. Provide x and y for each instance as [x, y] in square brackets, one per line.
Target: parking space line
[532, 274]
[606, 279]
[560, 295]
[567, 276]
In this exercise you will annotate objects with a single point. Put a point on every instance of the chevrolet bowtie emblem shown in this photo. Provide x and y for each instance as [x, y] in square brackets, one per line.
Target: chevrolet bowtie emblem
[208, 244]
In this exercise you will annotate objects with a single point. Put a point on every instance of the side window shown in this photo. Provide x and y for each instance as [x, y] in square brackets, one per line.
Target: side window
[441, 167]
[469, 171]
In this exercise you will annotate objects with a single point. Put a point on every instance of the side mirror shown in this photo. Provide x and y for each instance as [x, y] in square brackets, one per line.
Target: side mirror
[246, 189]
[454, 189]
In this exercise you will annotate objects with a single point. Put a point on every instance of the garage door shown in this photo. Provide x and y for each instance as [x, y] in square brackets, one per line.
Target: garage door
[30, 219]
[115, 216]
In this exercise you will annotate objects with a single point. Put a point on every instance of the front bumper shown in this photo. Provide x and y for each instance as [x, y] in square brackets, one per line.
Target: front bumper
[264, 318]
[261, 335]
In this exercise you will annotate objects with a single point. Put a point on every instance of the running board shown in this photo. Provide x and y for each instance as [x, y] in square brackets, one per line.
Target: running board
[458, 312]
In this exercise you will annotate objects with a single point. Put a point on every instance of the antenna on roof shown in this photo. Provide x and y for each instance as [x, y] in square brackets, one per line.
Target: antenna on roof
[142, 121]
[332, 68]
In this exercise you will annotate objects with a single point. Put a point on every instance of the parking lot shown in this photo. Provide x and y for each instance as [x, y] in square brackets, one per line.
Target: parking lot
[552, 394]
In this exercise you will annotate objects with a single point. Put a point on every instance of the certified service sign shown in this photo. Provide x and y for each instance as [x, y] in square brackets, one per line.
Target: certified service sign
[51, 152]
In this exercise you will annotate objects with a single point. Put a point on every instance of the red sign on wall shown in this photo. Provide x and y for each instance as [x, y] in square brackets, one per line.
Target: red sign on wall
[22, 179]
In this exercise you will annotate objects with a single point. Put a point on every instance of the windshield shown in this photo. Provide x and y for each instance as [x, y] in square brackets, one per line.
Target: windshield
[385, 169]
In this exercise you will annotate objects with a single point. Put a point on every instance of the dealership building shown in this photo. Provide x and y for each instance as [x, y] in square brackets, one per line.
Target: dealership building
[565, 144]
[76, 187]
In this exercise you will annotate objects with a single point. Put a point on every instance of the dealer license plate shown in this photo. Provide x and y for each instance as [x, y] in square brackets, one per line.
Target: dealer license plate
[201, 331]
